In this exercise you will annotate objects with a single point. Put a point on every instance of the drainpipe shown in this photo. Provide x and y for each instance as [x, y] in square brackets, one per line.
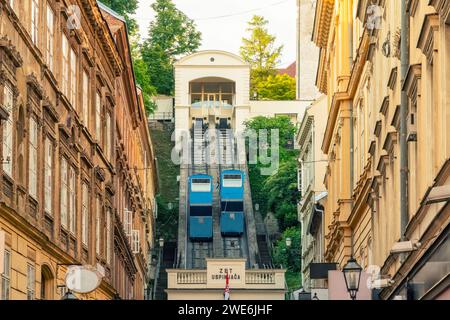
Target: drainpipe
[403, 121]
[352, 138]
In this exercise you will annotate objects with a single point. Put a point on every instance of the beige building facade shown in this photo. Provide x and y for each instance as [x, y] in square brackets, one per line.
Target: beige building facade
[61, 77]
[360, 72]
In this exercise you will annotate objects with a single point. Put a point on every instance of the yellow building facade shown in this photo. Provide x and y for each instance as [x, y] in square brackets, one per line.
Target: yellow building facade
[360, 72]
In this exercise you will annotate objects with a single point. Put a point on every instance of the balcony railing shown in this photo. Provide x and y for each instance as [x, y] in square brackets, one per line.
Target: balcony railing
[191, 277]
[270, 279]
[260, 277]
[211, 104]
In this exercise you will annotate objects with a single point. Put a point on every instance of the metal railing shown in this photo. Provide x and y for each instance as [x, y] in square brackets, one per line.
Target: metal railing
[161, 116]
[158, 268]
[259, 277]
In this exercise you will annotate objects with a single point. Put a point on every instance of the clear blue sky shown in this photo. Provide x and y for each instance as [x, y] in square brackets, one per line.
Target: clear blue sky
[223, 23]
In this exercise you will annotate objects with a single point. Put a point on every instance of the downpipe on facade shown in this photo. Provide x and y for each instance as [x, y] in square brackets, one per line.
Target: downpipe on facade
[405, 26]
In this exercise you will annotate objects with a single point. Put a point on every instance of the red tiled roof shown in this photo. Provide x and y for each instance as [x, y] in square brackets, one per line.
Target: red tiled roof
[291, 70]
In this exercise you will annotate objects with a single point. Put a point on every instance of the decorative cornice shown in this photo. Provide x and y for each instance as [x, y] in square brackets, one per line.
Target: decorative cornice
[7, 46]
[442, 7]
[392, 78]
[384, 106]
[106, 39]
[427, 42]
[34, 84]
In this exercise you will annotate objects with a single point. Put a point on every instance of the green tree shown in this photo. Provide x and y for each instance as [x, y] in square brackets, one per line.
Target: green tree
[278, 87]
[282, 193]
[126, 8]
[260, 51]
[276, 193]
[289, 257]
[171, 35]
[286, 256]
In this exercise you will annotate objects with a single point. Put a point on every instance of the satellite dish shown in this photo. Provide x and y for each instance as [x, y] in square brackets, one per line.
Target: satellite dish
[82, 279]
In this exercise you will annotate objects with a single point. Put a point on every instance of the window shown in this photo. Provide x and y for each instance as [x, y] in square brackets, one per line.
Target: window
[135, 243]
[73, 79]
[50, 37]
[362, 139]
[85, 107]
[7, 130]
[65, 65]
[97, 226]
[48, 172]
[34, 21]
[85, 215]
[72, 200]
[127, 221]
[32, 158]
[31, 276]
[108, 136]
[98, 114]
[108, 237]
[64, 188]
[6, 276]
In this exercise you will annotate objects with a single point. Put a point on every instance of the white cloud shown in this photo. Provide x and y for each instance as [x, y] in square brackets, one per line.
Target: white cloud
[226, 33]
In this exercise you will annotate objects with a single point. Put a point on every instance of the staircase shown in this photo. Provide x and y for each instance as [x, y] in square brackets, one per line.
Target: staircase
[167, 262]
[199, 143]
[226, 147]
[264, 254]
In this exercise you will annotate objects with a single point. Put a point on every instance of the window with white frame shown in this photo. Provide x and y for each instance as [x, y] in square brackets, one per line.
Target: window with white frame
[127, 221]
[85, 215]
[98, 213]
[50, 36]
[7, 130]
[64, 188]
[31, 281]
[85, 107]
[34, 21]
[135, 243]
[6, 276]
[72, 200]
[108, 236]
[48, 173]
[73, 79]
[32, 158]
[65, 65]
[98, 115]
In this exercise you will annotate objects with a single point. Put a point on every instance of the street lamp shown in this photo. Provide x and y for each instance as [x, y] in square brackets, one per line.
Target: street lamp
[288, 242]
[352, 275]
[161, 242]
[69, 296]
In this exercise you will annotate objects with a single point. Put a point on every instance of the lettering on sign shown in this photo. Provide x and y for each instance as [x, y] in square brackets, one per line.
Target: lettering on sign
[222, 274]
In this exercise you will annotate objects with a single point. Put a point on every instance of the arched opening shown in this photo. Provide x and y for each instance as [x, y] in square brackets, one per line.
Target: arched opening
[213, 91]
[47, 283]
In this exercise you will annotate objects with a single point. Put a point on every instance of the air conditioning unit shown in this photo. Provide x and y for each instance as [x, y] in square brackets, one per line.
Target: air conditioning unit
[405, 247]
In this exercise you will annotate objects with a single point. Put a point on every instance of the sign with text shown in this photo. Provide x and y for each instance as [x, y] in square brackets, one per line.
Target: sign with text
[217, 270]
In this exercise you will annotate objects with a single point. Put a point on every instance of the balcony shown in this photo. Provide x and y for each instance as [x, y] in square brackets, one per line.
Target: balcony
[253, 279]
